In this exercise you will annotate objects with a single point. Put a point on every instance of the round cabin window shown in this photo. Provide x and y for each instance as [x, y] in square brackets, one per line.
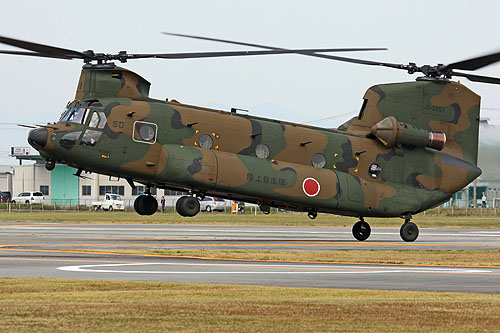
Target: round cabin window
[262, 151]
[147, 132]
[374, 170]
[206, 141]
[318, 160]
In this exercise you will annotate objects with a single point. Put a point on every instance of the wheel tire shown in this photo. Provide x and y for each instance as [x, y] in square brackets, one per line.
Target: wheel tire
[408, 231]
[27, 202]
[96, 208]
[110, 208]
[137, 205]
[178, 206]
[209, 209]
[148, 205]
[13, 201]
[190, 206]
[361, 230]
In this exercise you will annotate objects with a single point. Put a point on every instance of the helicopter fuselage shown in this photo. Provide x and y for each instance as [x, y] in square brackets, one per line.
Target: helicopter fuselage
[114, 128]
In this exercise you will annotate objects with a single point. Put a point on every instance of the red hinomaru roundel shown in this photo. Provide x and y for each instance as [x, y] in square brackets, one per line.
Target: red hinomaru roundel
[311, 187]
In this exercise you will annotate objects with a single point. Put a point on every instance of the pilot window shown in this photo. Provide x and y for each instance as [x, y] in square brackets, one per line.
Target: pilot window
[145, 132]
[90, 138]
[74, 115]
[98, 120]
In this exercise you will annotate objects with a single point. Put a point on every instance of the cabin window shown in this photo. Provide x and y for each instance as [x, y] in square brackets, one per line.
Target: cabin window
[206, 141]
[90, 138]
[262, 151]
[145, 132]
[374, 170]
[318, 160]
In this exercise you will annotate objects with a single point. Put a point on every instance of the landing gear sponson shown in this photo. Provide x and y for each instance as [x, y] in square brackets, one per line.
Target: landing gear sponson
[409, 231]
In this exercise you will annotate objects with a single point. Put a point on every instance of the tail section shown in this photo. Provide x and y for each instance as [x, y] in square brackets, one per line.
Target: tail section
[426, 105]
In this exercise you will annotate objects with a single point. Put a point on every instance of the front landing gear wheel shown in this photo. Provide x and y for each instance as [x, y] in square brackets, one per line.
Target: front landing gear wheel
[187, 206]
[145, 205]
[409, 231]
[361, 230]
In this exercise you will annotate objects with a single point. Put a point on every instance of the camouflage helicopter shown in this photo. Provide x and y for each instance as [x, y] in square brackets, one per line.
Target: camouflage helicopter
[411, 147]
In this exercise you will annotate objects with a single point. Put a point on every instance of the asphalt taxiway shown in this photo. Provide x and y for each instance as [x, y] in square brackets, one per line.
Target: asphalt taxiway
[41, 250]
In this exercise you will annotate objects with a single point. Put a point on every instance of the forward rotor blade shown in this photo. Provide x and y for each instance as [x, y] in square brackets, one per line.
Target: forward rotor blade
[34, 54]
[475, 63]
[303, 52]
[478, 78]
[270, 47]
[192, 55]
[42, 48]
[27, 126]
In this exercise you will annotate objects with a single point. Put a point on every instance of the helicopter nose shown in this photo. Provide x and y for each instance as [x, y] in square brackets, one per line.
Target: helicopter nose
[37, 138]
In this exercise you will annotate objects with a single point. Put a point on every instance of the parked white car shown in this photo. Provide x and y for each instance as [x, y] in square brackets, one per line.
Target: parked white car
[210, 204]
[28, 198]
[111, 202]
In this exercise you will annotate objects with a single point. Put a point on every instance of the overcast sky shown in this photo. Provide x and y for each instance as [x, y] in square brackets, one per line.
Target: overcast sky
[287, 87]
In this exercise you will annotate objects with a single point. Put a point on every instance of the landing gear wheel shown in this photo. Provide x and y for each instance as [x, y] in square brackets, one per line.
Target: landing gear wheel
[136, 204]
[209, 209]
[145, 205]
[187, 206]
[178, 206]
[409, 231]
[265, 208]
[361, 230]
[312, 214]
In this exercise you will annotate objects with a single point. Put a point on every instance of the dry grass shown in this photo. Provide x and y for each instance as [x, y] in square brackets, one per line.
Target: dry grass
[44, 305]
[281, 219]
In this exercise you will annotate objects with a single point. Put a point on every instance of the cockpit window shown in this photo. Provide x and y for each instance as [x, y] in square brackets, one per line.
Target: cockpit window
[74, 115]
[102, 123]
[98, 120]
[94, 121]
[90, 138]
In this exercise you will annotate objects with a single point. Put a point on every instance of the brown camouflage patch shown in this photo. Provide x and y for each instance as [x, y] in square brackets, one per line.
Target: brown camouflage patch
[152, 163]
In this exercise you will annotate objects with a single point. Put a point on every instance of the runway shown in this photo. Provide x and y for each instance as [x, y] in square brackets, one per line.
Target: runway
[39, 250]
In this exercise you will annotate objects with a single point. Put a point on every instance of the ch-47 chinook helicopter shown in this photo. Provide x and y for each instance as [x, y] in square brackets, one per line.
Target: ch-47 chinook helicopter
[411, 147]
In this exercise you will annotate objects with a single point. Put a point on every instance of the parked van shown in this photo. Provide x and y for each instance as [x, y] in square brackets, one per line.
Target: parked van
[28, 198]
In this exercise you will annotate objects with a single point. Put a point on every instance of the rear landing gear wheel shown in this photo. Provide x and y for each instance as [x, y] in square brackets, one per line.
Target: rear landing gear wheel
[361, 230]
[409, 231]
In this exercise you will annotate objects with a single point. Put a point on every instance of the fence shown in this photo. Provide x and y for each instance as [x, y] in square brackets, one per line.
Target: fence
[454, 207]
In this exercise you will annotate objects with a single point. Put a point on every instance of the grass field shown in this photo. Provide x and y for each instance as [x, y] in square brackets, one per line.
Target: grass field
[48, 305]
[281, 219]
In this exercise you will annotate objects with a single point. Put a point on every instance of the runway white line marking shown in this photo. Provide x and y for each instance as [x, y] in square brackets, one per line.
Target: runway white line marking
[330, 269]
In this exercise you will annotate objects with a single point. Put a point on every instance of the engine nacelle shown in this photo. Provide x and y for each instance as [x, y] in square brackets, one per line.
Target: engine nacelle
[390, 132]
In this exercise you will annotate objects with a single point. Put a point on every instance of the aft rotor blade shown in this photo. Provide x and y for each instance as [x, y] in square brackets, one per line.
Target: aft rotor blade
[475, 63]
[42, 48]
[192, 55]
[34, 54]
[478, 78]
